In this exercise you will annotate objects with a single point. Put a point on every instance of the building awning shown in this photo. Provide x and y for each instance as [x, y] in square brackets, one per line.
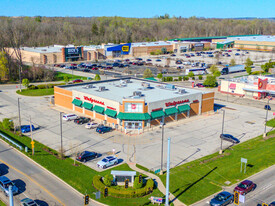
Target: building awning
[157, 114]
[110, 113]
[232, 86]
[171, 111]
[87, 105]
[254, 90]
[184, 108]
[99, 109]
[77, 102]
[133, 116]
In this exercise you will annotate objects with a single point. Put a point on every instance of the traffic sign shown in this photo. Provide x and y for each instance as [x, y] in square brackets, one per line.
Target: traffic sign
[126, 183]
[264, 204]
[106, 192]
[236, 198]
[139, 178]
[86, 199]
[32, 142]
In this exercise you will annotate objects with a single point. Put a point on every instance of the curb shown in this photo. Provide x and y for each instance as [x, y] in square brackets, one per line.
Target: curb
[76, 191]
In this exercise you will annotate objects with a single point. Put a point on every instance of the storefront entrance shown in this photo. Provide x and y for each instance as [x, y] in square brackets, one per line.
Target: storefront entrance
[133, 124]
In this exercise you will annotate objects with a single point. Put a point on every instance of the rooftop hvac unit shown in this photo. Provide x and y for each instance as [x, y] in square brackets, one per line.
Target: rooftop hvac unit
[101, 88]
[170, 86]
[137, 93]
[145, 84]
[181, 91]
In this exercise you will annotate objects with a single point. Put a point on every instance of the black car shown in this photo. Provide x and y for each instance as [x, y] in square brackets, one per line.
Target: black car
[115, 64]
[82, 120]
[121, 65]
[178, 62]
[173, 55]
[229, 138]
[267, 107]
[86, 155]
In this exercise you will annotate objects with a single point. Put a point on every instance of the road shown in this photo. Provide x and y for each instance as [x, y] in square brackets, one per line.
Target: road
[35, 182]
[264, 192]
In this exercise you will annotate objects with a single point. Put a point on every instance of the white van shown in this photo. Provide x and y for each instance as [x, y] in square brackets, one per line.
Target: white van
[69, 117]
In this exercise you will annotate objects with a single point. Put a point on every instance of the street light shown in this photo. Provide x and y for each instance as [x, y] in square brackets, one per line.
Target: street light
[61, 133]
[222, 129]
[162, 134]
[19, 116]
[266, 117]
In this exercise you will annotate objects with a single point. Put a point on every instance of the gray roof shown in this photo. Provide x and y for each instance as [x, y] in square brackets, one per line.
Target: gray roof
[123, 173]
[117, 90]
[266, 38]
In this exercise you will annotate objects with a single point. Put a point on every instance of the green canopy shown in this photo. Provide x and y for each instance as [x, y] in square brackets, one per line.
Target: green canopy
[99, 109]
[77, 102]
[171, 111]
[110, 113]
[88, 106]
[157, 114]
[133, 116]
[184, 108]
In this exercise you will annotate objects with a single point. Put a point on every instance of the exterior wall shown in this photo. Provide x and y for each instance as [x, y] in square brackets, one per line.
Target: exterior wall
[78, 109]
[139, 51]
[194, 109]
[253, 45]
[27, 56]
[99, 116]
[239, 87]
[207, 102]
[63, 98]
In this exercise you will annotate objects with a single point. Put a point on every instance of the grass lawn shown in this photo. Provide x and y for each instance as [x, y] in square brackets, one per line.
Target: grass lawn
[2, 203]
[59, 76]
[196, 180]
[270, 123]
[80, 177]
[36, 92]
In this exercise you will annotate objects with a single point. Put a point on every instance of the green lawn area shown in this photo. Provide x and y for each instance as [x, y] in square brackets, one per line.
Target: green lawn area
[196, 180]
[36, 92]
[2, 203]
[270, 123]
[80, 177]
[59, 76]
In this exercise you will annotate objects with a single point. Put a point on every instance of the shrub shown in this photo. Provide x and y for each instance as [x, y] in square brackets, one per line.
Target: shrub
[108, 180]
[185, 78]
[7, 124]
[191, 74]
[32, 87]
[193, 78]
[164, 79]
[180, 78]
[176, 79]
[256, 72]
[137, 184]
[200, 77]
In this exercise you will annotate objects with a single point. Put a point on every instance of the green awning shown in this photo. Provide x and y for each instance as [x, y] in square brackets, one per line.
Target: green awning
[77, 102]
[171, 111]
[110, 113]
[88, 106]
[133, 116]
[184, 108]
[157, 114]
[99, 109]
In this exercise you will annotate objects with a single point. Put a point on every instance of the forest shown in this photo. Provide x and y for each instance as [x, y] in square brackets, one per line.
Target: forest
[44, 31]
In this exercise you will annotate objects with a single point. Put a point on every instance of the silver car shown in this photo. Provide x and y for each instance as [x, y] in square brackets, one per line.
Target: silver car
[107, 162]
[4, 185]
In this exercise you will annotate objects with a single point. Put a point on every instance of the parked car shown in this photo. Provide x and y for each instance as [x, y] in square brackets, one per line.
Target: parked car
[267, 107]
[115, 64]
[86, 155]
[221, 199]
[4, 185]
[199, 85]
[82, 120]
[173, 55]
[192, 55]
[77, 81]
[245, 187]
[26, 128]
[107, 162]
[69, 117]
[229, 138]
[56, 65]
[210, 55]
[91, 125]
[28, 202]
[178, 62]
[237, 54]
[158, 60]
[103, 129]
[272, 204]
[62, 65]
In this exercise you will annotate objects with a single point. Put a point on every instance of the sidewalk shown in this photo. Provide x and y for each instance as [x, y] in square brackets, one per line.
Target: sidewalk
[161, 187]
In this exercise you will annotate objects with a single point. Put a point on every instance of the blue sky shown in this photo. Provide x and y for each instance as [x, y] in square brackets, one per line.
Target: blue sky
[140, 8]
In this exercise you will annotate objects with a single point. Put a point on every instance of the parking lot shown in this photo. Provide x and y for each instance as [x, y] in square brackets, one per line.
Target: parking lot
[191, 138]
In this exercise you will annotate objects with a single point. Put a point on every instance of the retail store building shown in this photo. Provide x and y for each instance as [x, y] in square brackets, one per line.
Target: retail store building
[132, 103]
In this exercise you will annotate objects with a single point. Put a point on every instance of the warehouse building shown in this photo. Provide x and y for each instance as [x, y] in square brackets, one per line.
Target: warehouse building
[132, 103]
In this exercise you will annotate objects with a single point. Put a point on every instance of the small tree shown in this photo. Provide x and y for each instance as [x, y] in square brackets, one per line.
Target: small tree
[25, 83]
[147, 73]
[248, 70]
[7, 124]
[108, 179]
[200, 77]
[217, 73]
[180, 78]
[191, 74]
[159, 76]
[137, 184]
[210, 81]
[163, 50]
[66, 79]
[97, 77]
[213, 68]
[248, 62]
[232, 62]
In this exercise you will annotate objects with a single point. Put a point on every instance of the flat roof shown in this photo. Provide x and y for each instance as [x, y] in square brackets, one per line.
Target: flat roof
[46, 49]
[123, 173]
[117, 90]
[267, 38]
[157, 43]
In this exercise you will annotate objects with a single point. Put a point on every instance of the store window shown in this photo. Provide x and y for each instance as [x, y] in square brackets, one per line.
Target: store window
[133, 124]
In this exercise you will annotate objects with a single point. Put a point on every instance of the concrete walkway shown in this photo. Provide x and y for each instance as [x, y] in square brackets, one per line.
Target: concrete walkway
[161, 187]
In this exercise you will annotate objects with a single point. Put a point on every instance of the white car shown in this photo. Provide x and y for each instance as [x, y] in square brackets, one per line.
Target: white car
[68, 117]
[91, 125]
[107, 161]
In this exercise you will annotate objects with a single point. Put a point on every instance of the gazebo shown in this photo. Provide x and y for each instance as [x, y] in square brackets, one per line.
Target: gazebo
[121, 176]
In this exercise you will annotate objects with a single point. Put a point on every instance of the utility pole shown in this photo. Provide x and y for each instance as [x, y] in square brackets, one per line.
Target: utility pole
[162, 135]
[61, 134]
[266, 117]
[32, 143]
[20, 81]
[223, 111]
[167, 173]
[19, 116]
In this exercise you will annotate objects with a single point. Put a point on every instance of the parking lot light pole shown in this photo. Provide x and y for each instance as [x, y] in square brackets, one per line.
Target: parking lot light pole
[223, 111]
[19, 115]
[266, 117]
[61, 134]
[162, 135]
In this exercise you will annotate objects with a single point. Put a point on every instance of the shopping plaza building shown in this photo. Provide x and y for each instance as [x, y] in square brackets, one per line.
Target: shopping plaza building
[133, 103]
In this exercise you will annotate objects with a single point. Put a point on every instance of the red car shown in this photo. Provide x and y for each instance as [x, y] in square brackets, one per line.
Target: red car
[199, 85]
[74, 65]
[77, 81]
[94, 68]
[245, 187]
[229, 51]
[109, 68]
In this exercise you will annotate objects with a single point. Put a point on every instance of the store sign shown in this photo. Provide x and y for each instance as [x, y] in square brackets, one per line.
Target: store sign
[112, 108]
[125, 48]
[133, 107]
[198, 45]
[158, 109]
[93, 100]
[174, 103]
[195, 101]
[73, 50]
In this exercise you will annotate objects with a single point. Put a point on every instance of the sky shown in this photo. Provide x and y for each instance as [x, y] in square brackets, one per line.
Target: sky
[140, 8]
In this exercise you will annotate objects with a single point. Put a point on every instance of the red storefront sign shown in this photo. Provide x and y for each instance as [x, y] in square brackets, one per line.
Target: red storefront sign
[112, 108]
[93, 100]
[195, 101]
[153, 110]
[174, 103]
